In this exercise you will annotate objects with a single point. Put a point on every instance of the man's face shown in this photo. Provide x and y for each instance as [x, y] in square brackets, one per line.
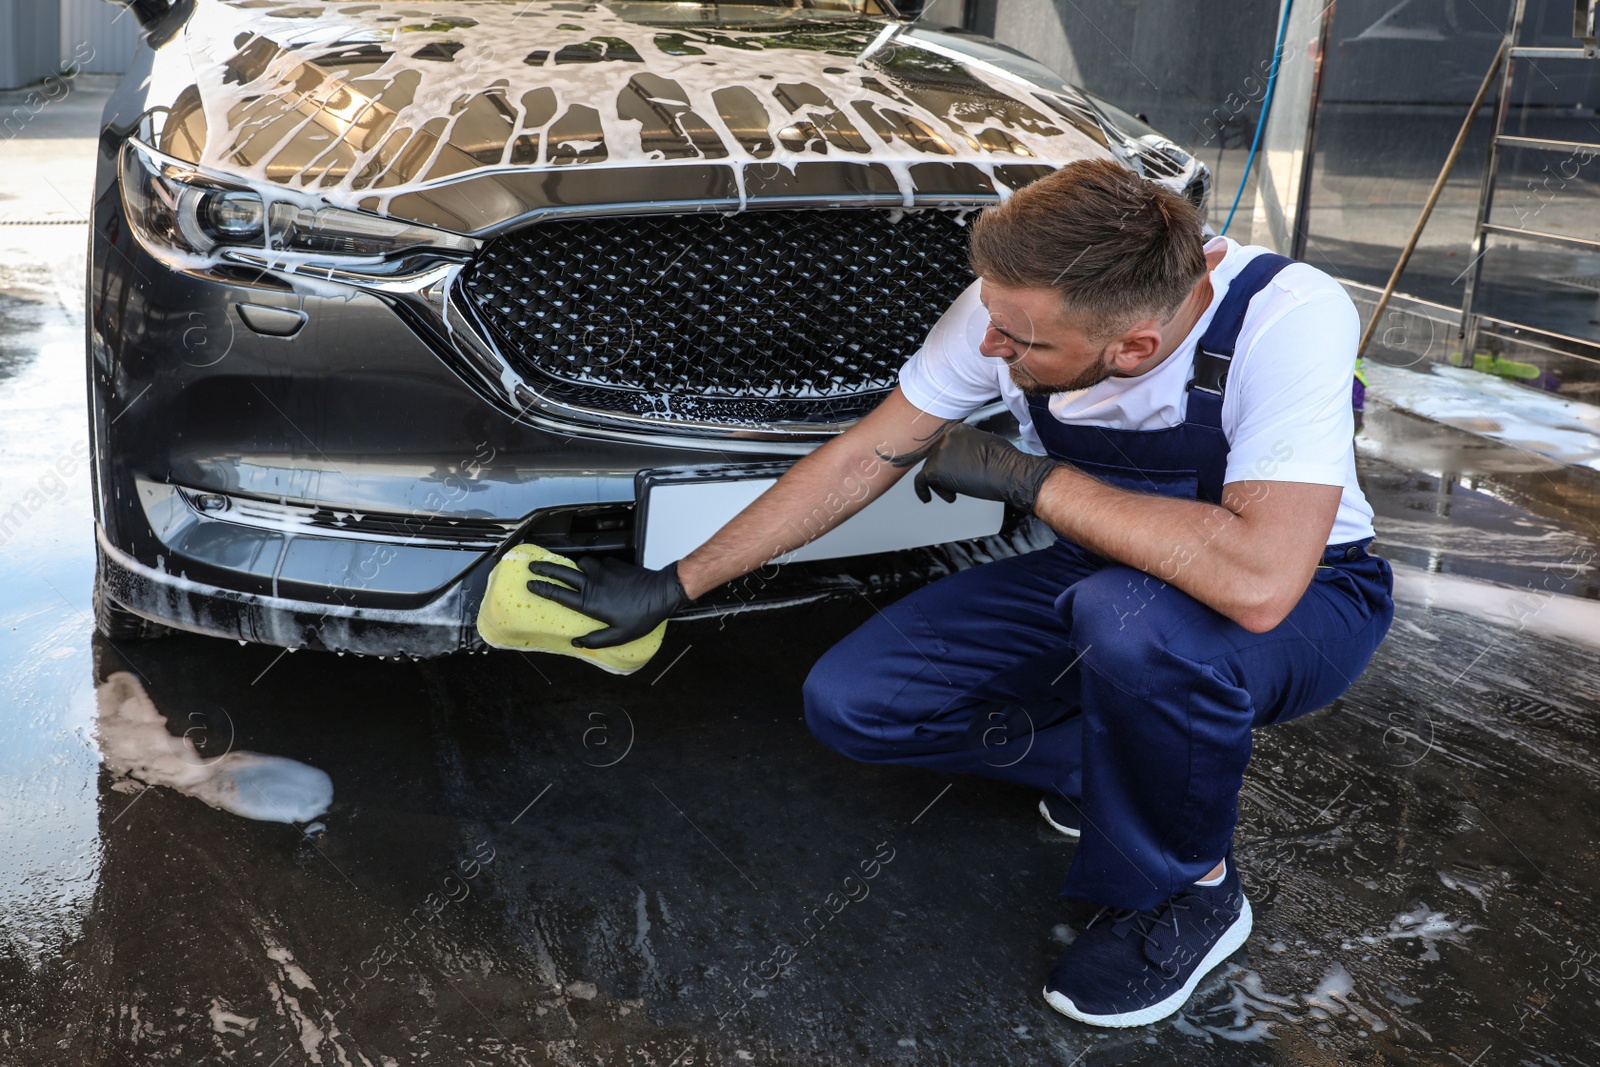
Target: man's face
[1044, 349]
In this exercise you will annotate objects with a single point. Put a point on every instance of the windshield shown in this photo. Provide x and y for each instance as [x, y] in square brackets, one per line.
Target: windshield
[712, 12]
[844, 7]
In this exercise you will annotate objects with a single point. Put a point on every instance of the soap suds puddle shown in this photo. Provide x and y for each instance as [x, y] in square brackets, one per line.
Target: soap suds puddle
[1427, 927]
[1252, 1011]
[135, 745]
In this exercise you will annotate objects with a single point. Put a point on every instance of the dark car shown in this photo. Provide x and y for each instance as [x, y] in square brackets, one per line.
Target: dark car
[378, 290]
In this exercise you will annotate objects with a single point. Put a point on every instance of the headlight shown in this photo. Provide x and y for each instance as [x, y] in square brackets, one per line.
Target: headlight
[174, 210]
[235, 217]
[184, 216]
[331, 232]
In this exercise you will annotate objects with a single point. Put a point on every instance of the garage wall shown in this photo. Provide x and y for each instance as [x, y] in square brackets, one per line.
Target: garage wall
[28, 41]
[96, 36]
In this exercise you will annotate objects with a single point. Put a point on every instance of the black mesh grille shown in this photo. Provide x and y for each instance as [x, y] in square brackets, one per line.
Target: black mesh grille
[755, 317]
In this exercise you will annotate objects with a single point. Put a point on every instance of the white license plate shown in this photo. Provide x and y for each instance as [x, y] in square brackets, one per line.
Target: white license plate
[681, 512]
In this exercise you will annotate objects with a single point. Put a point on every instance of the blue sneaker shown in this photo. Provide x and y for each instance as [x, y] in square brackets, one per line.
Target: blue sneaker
[1061, 814]
[1130, 968]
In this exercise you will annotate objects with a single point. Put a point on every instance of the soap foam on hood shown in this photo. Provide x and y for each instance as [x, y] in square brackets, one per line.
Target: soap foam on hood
[135, 743]
[340, 102]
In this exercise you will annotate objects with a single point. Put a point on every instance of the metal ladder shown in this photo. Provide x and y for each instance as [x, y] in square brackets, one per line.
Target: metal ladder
[1584, 19]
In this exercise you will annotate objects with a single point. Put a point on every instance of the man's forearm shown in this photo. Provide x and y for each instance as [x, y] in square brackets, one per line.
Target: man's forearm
[818, 493]
[814, 496]
[1206, 550]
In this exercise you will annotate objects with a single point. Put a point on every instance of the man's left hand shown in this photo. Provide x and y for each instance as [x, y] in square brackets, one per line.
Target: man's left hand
[983, 465]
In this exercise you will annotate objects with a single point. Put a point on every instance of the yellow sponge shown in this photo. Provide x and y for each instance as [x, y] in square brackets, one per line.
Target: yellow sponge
[513, 617]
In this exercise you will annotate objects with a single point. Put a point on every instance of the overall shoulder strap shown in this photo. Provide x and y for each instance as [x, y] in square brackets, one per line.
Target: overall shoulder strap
[1214, 354]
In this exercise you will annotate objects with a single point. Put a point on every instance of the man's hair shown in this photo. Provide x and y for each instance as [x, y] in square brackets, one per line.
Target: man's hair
[1117, 247]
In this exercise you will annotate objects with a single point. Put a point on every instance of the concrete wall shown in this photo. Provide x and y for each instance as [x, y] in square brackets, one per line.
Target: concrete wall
[29, 41]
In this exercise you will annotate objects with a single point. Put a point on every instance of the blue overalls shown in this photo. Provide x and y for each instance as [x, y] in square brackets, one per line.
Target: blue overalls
[1069, 673]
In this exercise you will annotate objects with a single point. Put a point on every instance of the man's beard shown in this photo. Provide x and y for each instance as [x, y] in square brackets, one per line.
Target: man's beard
[1090, 376]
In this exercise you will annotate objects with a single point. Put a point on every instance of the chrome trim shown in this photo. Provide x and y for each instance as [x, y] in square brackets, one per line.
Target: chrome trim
[169, 507]
[413, 273]
[303, 519]
[862, 202]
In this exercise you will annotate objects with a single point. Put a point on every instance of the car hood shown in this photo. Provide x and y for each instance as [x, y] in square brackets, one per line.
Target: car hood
[475, 113]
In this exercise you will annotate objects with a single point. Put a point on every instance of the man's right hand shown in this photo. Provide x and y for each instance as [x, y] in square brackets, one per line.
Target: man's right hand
[630, 600]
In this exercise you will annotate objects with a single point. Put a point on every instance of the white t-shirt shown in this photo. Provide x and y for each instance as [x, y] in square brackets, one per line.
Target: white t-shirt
[1286, 410]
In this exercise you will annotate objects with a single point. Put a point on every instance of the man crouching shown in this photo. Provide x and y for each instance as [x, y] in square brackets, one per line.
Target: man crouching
[1184, 409]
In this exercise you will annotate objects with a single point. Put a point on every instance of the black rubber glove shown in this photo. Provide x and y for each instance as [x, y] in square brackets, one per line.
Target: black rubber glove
[630, 600]
[983, 465]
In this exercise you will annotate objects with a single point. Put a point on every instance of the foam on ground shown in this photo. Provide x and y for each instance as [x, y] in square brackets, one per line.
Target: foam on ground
[1544, 424]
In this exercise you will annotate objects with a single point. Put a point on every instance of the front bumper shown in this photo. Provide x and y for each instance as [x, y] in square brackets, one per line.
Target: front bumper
[448, 623]
[439, 627]
[313, 466]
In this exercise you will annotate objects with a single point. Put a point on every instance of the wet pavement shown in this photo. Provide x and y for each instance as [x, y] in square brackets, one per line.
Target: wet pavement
[527, 861]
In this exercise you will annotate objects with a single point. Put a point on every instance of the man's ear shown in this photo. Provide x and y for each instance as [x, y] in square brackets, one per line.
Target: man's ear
[1129, 351]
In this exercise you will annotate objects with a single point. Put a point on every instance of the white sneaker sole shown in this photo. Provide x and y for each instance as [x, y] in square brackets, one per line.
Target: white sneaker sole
[1226, 945]
[1065, 831]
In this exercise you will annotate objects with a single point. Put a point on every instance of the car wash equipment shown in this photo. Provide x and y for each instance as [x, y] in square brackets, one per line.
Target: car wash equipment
[513, 617]
[1266, 106]
[1529, 374]
[1433, 198]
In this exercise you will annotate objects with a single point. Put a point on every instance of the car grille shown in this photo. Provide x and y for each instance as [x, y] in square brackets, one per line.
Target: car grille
[748, 318]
